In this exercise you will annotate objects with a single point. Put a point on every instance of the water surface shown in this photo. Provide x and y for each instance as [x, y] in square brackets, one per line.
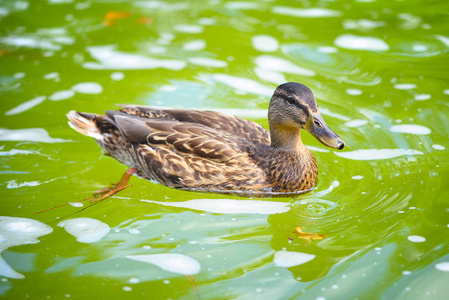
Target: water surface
[379, 70]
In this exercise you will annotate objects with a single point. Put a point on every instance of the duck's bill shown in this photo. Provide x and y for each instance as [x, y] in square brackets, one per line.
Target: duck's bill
[319, 129]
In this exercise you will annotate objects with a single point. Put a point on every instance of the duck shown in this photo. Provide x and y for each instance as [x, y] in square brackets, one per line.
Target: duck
[208, 151]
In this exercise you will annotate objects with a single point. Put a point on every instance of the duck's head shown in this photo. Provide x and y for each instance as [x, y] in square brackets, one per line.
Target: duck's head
[293, 107]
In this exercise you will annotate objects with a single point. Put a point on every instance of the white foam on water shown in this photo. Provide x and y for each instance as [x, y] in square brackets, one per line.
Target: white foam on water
[416, 238]
[52, 75]
[422, 97]
[85, 230]
[419, 48]
[17, 151]
[88, 88]
[3, 12]
[443, 39]
[61, 95]
[354, 92]
[168, 88]
[195, 45]
[207, 62]
[207, 21]
[305, 12]
[446, 92]
[29, 42]
[376, 154]
[265, 43]
[357, 177]
[19, 75]
[59, 1]
[355, 42]
[229, 206]
[317, 149]
[28, 134]
[76, 204]
[242, 5]
[411, 129]
[157, 49]
[166, 38]
[162, 5]
[134, 280]
[117, 76]
[189, 28]
[289, 259]
[362, 24]
[18, 231]
[82, 5]
[334, 184]
[334, 114]
[356, 123]
[438, 147]
[12, 184]
[327, 49]
[273, 63]
[405, 86]
[65, 40]
[409, 21]
[52, 30]
[26, 106]
[270, 76]
[171, 262]
[111, 59]
[243, 84]
[442, 266]
[21, 5]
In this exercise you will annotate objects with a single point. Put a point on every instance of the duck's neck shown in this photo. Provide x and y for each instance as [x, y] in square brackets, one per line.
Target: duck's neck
[286, 139]
[291, 166]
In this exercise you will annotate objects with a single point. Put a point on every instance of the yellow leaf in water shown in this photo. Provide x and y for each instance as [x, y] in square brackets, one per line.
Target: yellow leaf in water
[117, 15]
[308, 235]
[111, 17]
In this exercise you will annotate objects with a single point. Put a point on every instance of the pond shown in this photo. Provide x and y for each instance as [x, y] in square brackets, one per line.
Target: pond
[379, 70]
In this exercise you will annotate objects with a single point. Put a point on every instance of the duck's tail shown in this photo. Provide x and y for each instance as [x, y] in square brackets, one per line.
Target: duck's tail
[85, 124]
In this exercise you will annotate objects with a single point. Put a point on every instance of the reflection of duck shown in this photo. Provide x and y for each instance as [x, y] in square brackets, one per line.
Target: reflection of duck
[210, 151]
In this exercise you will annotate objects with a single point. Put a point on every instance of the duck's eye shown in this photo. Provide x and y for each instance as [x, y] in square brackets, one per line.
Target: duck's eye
[291, 100]
[317, 124]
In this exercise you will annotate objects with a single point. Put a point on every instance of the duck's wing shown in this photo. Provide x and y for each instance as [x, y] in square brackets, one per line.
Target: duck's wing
[244, 129]
[184, 154]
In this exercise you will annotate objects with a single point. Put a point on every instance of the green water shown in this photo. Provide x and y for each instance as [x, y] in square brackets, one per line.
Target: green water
[379, 70]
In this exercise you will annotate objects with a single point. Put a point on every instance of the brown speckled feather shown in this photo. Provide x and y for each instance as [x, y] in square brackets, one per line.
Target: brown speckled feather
[180, 149]
[233, 125]
[210, 151]
[188, 155]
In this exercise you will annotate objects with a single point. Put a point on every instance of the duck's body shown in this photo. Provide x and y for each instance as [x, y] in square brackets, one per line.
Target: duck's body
[210, 151]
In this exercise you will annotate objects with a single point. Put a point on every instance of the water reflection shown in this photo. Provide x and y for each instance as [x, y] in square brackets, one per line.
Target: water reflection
[331, 62]
[15, 232]
[111, 59]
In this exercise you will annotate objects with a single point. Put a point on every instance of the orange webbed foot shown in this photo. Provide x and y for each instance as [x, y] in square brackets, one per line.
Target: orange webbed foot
[104, 193]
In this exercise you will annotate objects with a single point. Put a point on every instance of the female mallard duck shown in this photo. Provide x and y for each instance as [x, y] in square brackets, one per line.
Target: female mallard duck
[213, 152]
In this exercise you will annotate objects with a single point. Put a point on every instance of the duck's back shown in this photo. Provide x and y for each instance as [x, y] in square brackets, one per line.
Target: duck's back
[244, 129]
[198, 150]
